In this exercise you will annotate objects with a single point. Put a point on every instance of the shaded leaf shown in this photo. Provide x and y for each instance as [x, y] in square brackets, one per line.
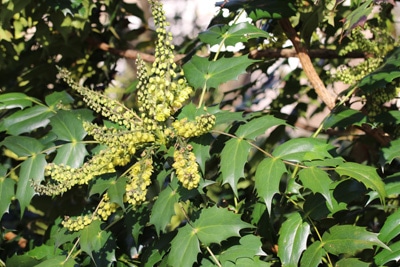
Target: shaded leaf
[102, 183]
[312, 257]
[231, 35]
[58, 261]
[250, 245]
[391, 227]
[292, 240]
[364, 174]
[392, 152]
[27, 120]
[349, 239]
[71, 154]
[15, 100]
[93, 238]
[7, 192]
[344, 118]
[357, 17]
[233, 158]
[267, 178]
[56, 98]
[201, 148]
[201, 72]
[303, 149]
[23, 146]
[388, 255]
[317, 181]
[258, 126]
[218, 220]
[67, 126]
[116, 191]
[185, 243]
[352, 262]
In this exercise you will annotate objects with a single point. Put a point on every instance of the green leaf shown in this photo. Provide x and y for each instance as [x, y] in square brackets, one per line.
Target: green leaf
[62, 236]
[233, 158]
[344, 118]
[250, 245]
[7, 192]
[357, 17]
[71, 154]
[116, 191]
[56, 98]
[15, 100]
[258, 9]
[391, 227]
[23, 146]
[349, 239]
[387, 255]
[385, 74]
[201, 72]
[267, 178]
[346, 262]
[43, 252]
[258, 126]
[303, 149]
[32, 170]
[317, 181]
[163, 208]
[201, 148]
[312, 257]
[67, 126]
[184, 248]
[93, 238]
[27, 120]
[292, 240]
[392, 152]
[364, 174]
[58, 261]
[231, 35]
[217, 220]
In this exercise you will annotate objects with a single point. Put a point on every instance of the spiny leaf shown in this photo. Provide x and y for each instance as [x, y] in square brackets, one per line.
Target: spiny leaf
[15, 100]
[317, 181]
[184, 248]
[217, 220]
[352, 262]
[292, 239]
[391, 227]
[267, 178]
[250, 245]
[201, 72]
[201, 148]
[386, 255]
[364, 174]
[67, 126]
[258, 126]
[349, 239]
[71, 154]
[303, 149]
[23, 146]
[116, 191]
[231, 35]
[27, 120]
[6, 193]
[102, 183]
[392, 152]
[56, 98]
[165, 203]
[312, 257]
[344, 118]
[233, 158]
[93, 238]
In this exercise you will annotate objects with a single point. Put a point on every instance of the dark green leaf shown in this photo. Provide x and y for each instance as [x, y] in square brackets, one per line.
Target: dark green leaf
[357, 17]
[387, 255]
[201, 72]
[258, 126]
[22, 261]
[15, 100]
[218, 220]
[344, 118]
[231, 35]
[233, 158]
[116, 191]
[58, 261]
[201, 148]
[267, 178]
[303, 149]
[93, 238]
[23, 146]
[312, 257]
[102, 183]
[62, 236]
[7, 192]
[250, 246]
[27, 120]
[292, 240]
[71, 154]
[185, 243]
[44, 251]
[364, 174]
[67, 126]
[352, 262]
[56, 98]
[317, 181]
[392, 152]
[391, 227]
[349, 239]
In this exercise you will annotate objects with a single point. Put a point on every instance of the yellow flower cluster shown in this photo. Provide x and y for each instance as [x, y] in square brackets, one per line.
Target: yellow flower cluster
[106, 208]
[200, 126]
[186, 167]
[77, 223]
[136, 188]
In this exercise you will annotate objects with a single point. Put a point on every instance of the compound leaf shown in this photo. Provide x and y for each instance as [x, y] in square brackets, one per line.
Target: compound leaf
[267, 178]
[349, 239]
[292, 239]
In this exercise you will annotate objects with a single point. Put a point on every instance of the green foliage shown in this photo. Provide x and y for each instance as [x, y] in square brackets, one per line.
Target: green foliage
[165, 176]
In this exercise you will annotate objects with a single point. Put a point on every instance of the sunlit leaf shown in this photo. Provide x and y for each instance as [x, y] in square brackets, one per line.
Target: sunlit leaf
[388, 255]
[250, 245]
[71, 154]
[357, 17]
[317, 181]
[391, 227]
[58, 261]
[67, 126]
[6, 193]
[116, 191]
[201, 148]
[15, 100]
[346, 262]
[302, 149]
[185, 243]
[292, 240]
[56, 98]
[267, 178]
[230, 35]
[349, 239]
[258, 126]
[102, 183]
[202, 72]
[364, 174]
[233, 158]
[392, 151]
[312, 257]
[93, 238]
